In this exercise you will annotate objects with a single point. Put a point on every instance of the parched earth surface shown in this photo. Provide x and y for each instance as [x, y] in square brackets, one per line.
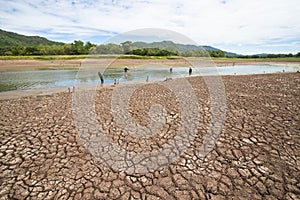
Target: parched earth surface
[256, 156]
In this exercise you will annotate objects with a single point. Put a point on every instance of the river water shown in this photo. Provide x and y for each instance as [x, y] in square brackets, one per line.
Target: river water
[21, 80]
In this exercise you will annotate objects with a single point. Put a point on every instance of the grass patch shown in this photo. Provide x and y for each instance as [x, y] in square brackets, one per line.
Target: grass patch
[148, 57]
[259, 59]
[74, 57]
[104, 56]
[16, 57]
[97, 56]
[7, 87]
[174, 57]
[67, 57]
[133, 57]
[53, 57]
[44, 58]
[58, 68]
[56, 57]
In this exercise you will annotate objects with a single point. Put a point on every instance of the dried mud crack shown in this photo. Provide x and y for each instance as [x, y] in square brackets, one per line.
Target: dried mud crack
[256, 156]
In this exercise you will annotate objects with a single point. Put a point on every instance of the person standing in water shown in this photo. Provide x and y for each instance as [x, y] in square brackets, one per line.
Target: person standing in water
[190, 71]
[171, 70]
[126, 69]
[101, 78]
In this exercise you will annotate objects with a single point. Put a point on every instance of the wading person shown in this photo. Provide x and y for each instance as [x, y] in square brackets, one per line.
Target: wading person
[101, 78]
[190, 71]
[126, 69]
[171, 70]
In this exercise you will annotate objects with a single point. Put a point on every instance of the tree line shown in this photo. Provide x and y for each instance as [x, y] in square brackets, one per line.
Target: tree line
[80, 48]
[76, 48]
[289, 55]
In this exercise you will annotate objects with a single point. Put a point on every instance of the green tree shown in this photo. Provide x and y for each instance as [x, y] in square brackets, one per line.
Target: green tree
[151, 52]
[88, 47]
[126, 46]
[79, 47]
[31, 50]
[218, 53]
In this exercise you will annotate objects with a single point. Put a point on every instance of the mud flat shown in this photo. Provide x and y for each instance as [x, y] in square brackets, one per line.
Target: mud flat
[23, 64]
[256, 156]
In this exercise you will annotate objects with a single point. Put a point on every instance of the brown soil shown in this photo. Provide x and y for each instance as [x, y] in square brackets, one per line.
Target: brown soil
[256, 156]
[15, 65]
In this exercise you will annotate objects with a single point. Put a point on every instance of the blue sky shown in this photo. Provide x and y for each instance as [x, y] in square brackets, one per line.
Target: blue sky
[240, 26]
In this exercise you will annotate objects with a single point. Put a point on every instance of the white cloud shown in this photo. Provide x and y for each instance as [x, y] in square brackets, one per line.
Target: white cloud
[214, 22]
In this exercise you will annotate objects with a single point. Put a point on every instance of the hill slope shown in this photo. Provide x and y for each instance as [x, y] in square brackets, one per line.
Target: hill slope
[14, 39]
[178, 47]
[10, 39]
[166, 44]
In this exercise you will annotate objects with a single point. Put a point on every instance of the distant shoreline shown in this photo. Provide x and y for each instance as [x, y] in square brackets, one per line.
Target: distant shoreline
[73, 62]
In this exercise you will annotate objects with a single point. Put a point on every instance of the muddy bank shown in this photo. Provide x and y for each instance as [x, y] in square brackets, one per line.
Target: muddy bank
[15, 65]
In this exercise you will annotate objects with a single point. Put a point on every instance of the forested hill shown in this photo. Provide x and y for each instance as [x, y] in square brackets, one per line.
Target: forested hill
[172, 46]
[14, 44]
[8, 39]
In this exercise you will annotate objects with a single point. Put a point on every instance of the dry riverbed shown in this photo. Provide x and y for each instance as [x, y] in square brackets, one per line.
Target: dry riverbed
[256, 156]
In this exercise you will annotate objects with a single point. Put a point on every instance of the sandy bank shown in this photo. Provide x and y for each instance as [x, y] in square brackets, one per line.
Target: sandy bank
[15, 65]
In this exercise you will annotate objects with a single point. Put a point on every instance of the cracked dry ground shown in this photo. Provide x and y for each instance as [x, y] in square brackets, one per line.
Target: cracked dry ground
[256, 156]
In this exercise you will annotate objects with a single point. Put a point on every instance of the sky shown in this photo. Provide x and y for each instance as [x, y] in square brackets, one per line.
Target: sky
[240, 26]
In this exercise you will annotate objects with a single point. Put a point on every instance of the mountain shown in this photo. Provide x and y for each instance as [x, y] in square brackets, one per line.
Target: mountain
[179, 47]
[261, 55]
[13, 39]
[10, 39]
[230, 54]
[170, 44]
